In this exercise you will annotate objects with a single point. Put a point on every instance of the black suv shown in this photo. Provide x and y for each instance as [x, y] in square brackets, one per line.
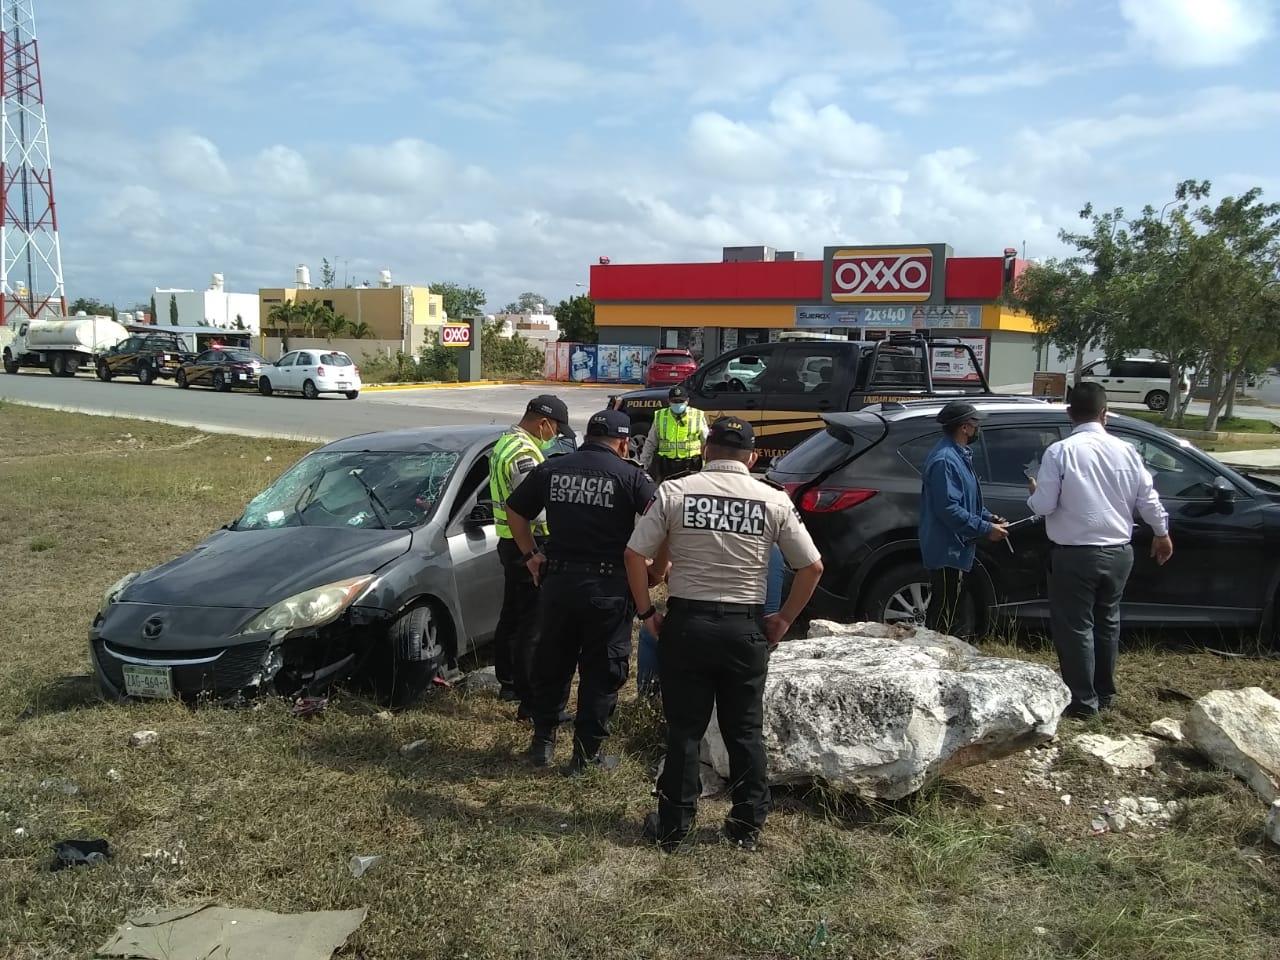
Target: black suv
[857, 487]
[146, 356]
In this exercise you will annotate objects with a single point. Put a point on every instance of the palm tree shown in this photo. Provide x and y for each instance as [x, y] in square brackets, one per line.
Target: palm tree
[334, 324]
[359, 331]
[282, 317]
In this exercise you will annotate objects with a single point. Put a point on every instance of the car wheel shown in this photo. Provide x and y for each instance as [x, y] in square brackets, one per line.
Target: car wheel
[264, 386]
[902, 596]
[352, 394]
[146, 375]
[412, 657]
[309, 390]
[181, 380]
[1158, 400]
[220, 381]
[104, 372]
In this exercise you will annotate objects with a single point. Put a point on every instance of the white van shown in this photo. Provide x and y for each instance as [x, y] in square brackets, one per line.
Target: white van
[1135, 380]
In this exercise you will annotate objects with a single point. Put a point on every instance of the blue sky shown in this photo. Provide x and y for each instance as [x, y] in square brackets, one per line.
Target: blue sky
[509, 144]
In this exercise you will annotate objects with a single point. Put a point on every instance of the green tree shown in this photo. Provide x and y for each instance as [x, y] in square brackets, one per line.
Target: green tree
[576, 318]
[359, 331]
[94, 308]
[281, 319]
[240, 323]
[525, 303]
[173, 309]
[151, 311]
[328, 276]
[514, 357]
[460, 301]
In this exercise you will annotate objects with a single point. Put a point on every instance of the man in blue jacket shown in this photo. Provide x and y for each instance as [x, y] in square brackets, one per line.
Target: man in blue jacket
[952, 517]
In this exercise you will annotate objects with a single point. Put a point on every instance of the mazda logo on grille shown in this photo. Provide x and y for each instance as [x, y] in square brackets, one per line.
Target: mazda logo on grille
[152, 627]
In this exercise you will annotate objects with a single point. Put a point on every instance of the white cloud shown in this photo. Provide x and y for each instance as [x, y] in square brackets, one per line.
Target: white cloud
[1005, 17]
[734, 150]
[1198, 33]
[193, 161]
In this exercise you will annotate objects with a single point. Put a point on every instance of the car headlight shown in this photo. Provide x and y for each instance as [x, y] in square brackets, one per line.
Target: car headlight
[112, 593]
[311, 608]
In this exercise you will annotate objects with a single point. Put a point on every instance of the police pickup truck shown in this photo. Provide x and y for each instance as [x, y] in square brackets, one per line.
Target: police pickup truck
[784, 388]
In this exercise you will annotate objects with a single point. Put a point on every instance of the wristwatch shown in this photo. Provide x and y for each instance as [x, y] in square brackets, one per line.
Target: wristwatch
[530, 555]
[647, 614]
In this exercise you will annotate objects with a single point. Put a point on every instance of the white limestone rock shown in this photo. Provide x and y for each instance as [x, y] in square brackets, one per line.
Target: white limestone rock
[1273, 823]
[1166, 728]
[1119, 753]
[882, 710]
[1239, 730]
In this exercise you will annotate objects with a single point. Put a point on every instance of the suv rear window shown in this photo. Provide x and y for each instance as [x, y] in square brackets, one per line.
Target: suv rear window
[821, 452]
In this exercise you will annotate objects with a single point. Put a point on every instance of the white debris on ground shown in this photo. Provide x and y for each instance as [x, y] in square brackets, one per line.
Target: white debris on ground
[1040, 761]
[143, 738]
[1119, 753]
[1127, 814]
[176, 857]
[1166, 728]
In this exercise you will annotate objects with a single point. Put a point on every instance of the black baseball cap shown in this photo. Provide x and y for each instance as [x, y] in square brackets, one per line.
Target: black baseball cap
[677, 393]
[959, 411]
[733, 433]
[553, 408]
[609, 423]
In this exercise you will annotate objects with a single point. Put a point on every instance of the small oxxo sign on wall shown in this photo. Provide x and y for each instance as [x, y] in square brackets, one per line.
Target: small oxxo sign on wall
[455, 335]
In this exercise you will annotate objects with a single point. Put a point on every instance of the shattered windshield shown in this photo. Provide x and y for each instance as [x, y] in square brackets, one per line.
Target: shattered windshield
[388, 490]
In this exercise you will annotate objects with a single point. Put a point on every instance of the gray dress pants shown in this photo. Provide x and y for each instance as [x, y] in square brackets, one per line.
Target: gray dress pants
[1085, 587]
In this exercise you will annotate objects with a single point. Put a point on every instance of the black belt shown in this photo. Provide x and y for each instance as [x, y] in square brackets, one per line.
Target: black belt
[1090, 546]
[716, 608]
[600, 568]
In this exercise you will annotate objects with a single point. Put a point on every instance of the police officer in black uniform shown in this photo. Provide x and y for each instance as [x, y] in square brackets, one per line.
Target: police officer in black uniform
[592, 498]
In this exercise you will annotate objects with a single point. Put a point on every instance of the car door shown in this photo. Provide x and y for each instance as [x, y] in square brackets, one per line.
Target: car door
[281, 375]
[732, 385]
[1219, 571]
[1005, 453]
[201, 371]
[802, 383]
[124, 356]
[473, 552]
[304, 368]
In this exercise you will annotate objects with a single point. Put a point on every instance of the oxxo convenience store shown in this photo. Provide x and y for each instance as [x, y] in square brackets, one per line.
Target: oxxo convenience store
[758, 295]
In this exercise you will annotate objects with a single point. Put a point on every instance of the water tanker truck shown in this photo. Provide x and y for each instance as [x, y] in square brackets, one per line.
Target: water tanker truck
[63, 346]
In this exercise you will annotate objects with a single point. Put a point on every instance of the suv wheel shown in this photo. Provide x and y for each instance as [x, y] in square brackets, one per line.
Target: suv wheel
[902, 596]
[104, 371]
[146, 375]
[220, 382]
[1158, 400]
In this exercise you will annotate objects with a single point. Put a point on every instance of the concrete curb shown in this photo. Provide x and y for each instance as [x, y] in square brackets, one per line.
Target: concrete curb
[185, 424]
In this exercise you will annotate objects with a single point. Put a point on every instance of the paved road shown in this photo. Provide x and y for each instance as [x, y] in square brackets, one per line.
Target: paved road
[329, 418]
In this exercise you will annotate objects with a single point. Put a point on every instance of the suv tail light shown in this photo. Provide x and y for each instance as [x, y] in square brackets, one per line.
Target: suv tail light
[829, 499]
[319, 371]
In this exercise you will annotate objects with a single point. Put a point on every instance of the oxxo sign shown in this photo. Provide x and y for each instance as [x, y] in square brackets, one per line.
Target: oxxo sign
[455, 335]
[886, 274]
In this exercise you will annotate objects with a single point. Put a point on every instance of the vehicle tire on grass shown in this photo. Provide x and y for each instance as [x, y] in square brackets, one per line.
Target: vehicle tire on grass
[1157, 400]
[352, 394]
[902, 596]
[146, 376]
[411, 658]
[309, 390]
[180, 378]
[220, 381]
[104, 371]
[264, 386]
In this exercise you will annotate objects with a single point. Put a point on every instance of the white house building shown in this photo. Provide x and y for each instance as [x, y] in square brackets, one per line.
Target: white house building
[215, 306]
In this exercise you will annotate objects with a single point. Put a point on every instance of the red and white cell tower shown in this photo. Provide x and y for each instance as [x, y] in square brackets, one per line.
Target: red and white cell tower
[31, 269]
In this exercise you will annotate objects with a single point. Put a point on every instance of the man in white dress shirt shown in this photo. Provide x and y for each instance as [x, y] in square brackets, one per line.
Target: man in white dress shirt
[1088, 488]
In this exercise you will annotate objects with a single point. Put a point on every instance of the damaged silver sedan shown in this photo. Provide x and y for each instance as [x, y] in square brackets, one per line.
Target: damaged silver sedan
[372, 559]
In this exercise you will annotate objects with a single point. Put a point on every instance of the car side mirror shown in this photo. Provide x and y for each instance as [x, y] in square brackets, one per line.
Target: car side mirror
[1224, 493]
[481, 516]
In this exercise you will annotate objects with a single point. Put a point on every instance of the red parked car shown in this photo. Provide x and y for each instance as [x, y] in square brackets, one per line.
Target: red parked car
[669, 367]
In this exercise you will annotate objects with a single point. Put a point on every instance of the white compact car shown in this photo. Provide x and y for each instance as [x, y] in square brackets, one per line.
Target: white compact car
[311, 373]
[1135, 380]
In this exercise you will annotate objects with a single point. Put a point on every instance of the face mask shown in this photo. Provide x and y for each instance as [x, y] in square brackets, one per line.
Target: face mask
[679, 407]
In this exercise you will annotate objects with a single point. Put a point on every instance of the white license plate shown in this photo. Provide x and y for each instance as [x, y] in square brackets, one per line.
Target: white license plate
[343, 385]
[154, 682]
[243, 376]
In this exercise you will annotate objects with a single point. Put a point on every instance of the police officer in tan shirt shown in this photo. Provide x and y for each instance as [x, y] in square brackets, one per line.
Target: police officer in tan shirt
[715, 529]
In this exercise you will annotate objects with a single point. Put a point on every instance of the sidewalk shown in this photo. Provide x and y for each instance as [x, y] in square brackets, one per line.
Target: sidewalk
[1259, 461]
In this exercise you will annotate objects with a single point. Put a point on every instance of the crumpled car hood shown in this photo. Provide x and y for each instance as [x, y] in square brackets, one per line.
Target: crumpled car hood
[256, 568]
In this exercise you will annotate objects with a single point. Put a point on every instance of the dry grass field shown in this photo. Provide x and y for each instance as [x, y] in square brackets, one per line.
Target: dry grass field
[486, 857]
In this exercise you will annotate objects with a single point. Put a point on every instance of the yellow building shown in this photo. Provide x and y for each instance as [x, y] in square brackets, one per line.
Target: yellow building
[401, 313]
